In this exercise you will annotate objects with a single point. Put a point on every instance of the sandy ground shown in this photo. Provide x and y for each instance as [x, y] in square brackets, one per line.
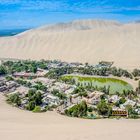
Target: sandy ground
[78, 41]
[16, 124]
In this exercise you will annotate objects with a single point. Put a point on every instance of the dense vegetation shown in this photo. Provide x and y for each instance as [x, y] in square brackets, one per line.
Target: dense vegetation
[136, 72]
[40, 86]
[27, 66]
[24, 82]
[79, 96]
[3, 70]
[104, 109]
[60, 95]
[79, 110]
[56, 72]
[104, 71]
[35, 99]
[14, 99]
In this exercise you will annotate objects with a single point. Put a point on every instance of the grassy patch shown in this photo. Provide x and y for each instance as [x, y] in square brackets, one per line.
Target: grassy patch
[37, 109]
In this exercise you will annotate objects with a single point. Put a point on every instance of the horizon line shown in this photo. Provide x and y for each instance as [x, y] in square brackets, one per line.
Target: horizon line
[69, 21]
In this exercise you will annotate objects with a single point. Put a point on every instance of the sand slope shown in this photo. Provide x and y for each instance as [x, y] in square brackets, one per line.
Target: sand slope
[82, 40]
[16, 124]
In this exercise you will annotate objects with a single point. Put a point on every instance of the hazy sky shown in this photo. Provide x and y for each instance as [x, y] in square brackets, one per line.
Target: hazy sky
[32, 13]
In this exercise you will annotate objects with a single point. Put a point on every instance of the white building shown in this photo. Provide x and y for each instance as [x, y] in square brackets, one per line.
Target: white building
[114, 98]
[51, 100]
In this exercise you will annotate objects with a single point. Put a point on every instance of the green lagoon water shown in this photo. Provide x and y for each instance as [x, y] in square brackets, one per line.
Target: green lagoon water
[116, 85]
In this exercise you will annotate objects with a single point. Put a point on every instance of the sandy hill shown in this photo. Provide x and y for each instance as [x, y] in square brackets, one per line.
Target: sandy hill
[81, 40]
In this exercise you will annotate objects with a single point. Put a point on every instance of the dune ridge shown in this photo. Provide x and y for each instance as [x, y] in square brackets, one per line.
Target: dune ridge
[78, 41]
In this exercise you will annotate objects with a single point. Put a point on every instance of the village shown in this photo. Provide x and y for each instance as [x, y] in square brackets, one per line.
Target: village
[41, 89]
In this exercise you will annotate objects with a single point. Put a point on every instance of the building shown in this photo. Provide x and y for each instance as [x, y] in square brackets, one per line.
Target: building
[39, 73]
[114, 99]
[51, 100]
[119, 112]
[94, 97]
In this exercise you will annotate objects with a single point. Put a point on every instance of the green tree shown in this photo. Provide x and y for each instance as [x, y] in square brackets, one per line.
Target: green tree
[103, 108]
[79, 110]
[136, 72]
[14, 99]
[122, 100]
[9, 78]
[61, 96]
[38, 98]
[34, 96]
[138, 88]
[3, 70]
[31, 105]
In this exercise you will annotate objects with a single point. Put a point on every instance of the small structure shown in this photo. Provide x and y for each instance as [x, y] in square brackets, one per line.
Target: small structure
[138, 111]
[119, 112]
[130, 102]
[114, 99]
[3, 88]
[11, 84]
[51, 100]
[94, 97]
[62, 87]
[23, 90]
[39, 73]
[106, 64]
[8, 86]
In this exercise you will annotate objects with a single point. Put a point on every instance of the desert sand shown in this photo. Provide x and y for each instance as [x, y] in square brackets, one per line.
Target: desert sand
[16, 124]
[78, 41]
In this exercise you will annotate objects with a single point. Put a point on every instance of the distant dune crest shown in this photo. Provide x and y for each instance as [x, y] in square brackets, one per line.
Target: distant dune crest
[78, 41]
[80, 25]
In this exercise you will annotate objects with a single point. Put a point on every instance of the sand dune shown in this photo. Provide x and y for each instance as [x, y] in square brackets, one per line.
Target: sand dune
[82, 40]
[17, 124]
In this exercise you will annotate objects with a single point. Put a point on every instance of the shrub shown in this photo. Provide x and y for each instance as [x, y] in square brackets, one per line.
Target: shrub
[37, 109]
[38, 98]
[136, 79]
[136, 72]
[90, 109]
[79, 110]
[134, 116]
[78, 89]
[9, 78]
[103, 108]
[40, 86]
[49, 108]
[31, 105]
[61, 96]
[14, 99]
[84, 94]
[35, 96]
[122, 101]
[30, 94]
[3, 70]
